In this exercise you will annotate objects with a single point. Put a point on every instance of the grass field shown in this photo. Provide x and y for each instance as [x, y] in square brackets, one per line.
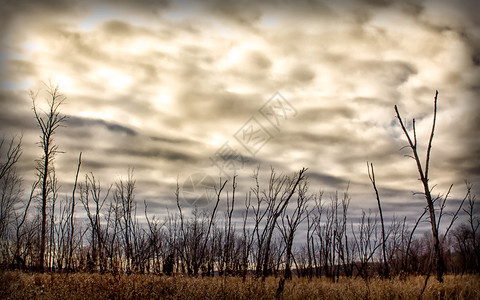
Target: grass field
[18, 285]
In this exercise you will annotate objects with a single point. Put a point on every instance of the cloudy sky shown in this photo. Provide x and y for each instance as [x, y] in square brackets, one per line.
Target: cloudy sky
[173, 89]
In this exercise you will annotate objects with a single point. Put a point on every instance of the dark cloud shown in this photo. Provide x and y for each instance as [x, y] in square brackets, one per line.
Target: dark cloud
[16, 114]
[325, 114]
[258, 60]
[412, 8]
[173, 140]
[325, 180]
[309, 139]
[201, 105]
[89, 164]
[302, 73]
[89, 123]
[117, 28]
[164, 154]
[18, 69]
[391, 73]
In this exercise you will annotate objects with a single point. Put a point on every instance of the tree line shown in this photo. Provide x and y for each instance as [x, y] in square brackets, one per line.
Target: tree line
[277, 228]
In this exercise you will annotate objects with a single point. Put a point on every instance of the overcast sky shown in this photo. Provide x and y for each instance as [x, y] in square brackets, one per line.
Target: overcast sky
[164, 87]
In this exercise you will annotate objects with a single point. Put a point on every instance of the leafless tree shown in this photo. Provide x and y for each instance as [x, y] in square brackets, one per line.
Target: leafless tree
[10, 196]
[440, 267]
[48, 121]
[111, 233]
[218, 192]
[21, 232]
[9, 154]
[366, 243]
[280, 191]
[155, 241]
[71, 224]
[371, 175]
[289, 227]
[229, 231]
[10, 182]
[248, 235]
[396, 237]
[91, 193]
[314, 218]
[325, 230]
[53, 186]
[125, 196]
[345, 249]
[473, 224]
[310, 261]
[10, 192]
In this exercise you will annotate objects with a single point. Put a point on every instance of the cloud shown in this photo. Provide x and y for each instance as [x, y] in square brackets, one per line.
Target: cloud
[84, 122]
[161, 86]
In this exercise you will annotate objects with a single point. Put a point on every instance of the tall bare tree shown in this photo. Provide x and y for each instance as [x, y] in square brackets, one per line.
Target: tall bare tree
[440, 266]
[49, 121]
[72, 215]
[371, 175]
[434, 222]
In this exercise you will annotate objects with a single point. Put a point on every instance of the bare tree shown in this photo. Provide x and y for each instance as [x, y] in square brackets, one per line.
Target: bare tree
[280, 190]
[248, 236]
[10, 182]
[474, 224]
[10, 197]
[289, 228]
[431, 201]
[229, 236]
[326, 235]
[314, 218]
[53, 186]
[440, 266]
[10, 188]
[125, 196]
[466, 237]
[371, 175]
[91, 191]
[12, 154]
[346, 251]
[72, 216]
[218, 192]
[20, 233]
[366, 243]
[48, 121]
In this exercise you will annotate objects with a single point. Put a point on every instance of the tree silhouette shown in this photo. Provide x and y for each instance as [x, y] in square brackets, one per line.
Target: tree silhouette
[48, 121]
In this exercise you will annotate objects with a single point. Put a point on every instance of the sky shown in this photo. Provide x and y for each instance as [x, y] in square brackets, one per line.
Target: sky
[189, 91]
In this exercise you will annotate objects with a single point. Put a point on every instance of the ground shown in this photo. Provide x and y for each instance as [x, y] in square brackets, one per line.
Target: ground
[18, 285]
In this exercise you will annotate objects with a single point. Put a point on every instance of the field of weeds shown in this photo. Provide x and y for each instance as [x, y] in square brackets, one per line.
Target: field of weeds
[18, 285]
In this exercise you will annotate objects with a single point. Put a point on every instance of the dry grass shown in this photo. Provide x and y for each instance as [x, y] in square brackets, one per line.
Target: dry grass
[17, 285]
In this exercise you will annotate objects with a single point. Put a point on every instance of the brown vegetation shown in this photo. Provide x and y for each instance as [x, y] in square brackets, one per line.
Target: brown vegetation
[18, 285]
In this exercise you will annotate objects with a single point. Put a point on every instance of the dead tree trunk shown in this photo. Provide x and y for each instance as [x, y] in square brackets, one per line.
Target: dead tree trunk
[48, 121]
[440, 265]
[371, 175]
[72, 216]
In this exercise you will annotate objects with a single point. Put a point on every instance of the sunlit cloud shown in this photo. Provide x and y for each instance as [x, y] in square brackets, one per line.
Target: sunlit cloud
[162, 87]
